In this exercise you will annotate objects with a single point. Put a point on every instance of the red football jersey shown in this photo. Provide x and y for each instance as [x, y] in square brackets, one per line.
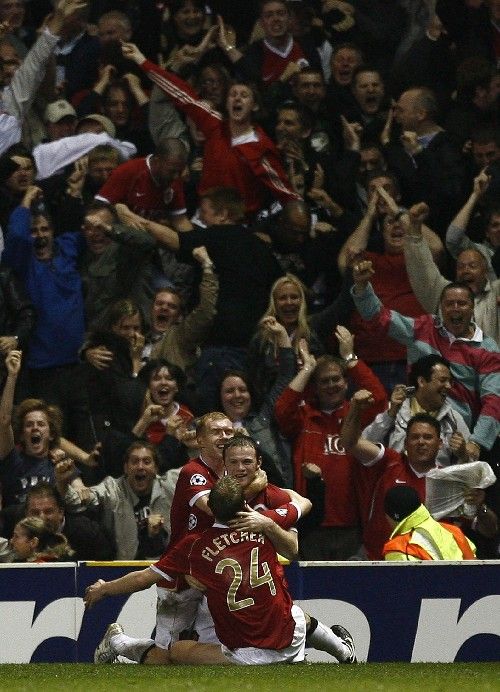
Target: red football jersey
[275, 503]
[195, 480]
[132, 184]
[392, 469]
[244, 584]
[275, 61]
[250, 163]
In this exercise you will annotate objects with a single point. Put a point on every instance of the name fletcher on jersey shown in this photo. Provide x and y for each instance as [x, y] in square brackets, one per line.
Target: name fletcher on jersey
[223, 541]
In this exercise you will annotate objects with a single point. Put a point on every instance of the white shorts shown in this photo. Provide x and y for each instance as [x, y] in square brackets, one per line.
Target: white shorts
[204, 624]
[180, 611]
[249, 655]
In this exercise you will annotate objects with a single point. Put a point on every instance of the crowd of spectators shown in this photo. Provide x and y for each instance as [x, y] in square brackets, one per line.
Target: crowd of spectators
[288, 212]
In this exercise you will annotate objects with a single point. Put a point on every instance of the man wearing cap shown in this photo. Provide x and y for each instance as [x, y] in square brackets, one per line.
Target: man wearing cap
[96, 123]
[60, 120]
[416, 535]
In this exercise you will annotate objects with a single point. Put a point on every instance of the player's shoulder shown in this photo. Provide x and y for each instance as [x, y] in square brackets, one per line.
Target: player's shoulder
[131, 166]
[273, 491]
[194, 472]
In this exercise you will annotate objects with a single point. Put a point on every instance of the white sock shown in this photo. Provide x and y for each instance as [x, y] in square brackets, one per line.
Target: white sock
[129, 647]
[323, 639]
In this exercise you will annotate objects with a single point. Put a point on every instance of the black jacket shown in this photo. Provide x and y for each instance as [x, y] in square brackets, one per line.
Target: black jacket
[17, 313]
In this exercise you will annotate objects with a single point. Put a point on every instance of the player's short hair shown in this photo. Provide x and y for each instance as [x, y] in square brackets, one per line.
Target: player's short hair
[423, 368]
[424, 418]
[241, 441]
[226, 199]
[226, 499]
[53, 413]
[203, 422]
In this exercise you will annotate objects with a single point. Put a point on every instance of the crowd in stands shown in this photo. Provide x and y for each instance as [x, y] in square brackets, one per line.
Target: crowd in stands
[285, 211]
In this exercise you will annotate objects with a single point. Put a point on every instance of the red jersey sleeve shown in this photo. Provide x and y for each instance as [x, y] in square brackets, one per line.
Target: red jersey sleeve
[175, 561]
[184, 97]
[287, 412]
[363, 377]
[285, 516]
[273, 502]
[265, 163]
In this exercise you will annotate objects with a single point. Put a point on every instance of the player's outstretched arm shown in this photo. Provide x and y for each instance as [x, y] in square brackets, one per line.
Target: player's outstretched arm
[303, 502]
[129, 583]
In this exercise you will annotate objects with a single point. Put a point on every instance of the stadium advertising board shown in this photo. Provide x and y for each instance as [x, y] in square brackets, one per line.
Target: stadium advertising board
[395, 612]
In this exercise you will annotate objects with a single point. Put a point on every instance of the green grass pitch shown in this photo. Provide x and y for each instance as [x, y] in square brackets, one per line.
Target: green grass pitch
[379, 677]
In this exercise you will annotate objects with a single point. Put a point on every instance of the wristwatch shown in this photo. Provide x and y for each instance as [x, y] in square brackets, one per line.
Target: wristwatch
[350, 358]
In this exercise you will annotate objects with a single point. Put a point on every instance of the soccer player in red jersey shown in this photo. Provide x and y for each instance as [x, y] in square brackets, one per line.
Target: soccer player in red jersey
[255, 618]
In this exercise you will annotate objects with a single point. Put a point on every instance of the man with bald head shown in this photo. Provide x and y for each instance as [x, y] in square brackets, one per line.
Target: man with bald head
[472, 270]
[425, 160]
[151, 187]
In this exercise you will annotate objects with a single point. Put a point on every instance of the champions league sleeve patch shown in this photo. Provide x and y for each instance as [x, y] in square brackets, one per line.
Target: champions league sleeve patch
[197, 479]
[282, 511]
[192, 522]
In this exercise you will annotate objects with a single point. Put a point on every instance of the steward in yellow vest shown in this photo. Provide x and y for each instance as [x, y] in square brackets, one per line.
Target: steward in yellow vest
[416, 535]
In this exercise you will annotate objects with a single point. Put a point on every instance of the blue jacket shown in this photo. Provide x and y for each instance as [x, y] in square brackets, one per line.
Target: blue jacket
[55, 288]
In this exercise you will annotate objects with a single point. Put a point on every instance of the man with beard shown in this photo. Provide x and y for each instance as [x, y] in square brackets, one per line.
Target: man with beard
[48, 268]
[135, 507]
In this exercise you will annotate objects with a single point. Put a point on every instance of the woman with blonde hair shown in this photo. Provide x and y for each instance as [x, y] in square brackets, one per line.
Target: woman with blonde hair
[288, 304]
[33, 541]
